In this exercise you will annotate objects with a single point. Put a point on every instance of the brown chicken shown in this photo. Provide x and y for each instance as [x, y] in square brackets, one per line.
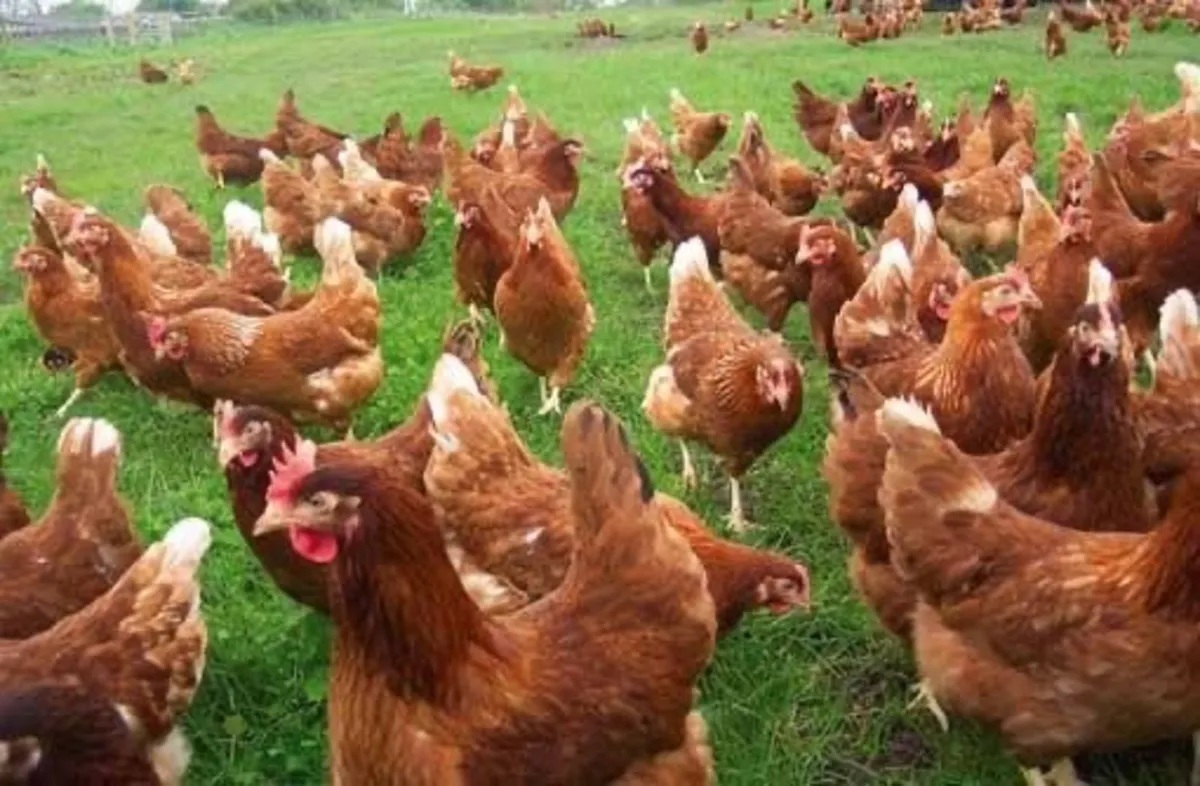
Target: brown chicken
[683, 215]
[187, 232]
[553, 175]
[1161, 257]
[64, 734]
[977, 381]
[723, 384]
[771, 292]
[472, 78]
[1081, 20]
[1064, 641]
[484, 249]
[66, 311]
[1008, 123]
[749, 225]
[81, 545]
[129, 295]
[1117, 34]
[228, 158]
[699, 38]
[423, 164]
[837, 274]
[1074, 166]
[984, 210]
[857, 32]
[553, 666]
[1168, 414]
[140, 646]
[1056, 255]
[818, 116]
[508, 514]
[305, 138]
[150, 73]
[1014, 13]
[317, 363]
[253, 258]
[644, 145]
[937, 275]
[542, 306]
[13, 514]
[787, 183]
[292, 206]
[697, 134]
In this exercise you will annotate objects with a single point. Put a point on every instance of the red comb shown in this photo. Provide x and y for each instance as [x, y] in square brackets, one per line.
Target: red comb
[156, 329]
[290, 470]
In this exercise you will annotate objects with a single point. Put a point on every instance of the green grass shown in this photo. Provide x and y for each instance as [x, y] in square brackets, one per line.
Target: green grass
[812, 700]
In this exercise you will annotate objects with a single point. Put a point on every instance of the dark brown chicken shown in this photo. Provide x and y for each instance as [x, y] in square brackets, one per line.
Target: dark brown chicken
[13, 515]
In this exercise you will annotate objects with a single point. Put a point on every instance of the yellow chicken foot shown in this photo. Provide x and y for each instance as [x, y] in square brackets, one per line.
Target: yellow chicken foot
[699, 176]
[689, 469]
[925, 696]
[1034, 777]
[75, 394]
[646, 275]
[551, 404]
[221, 181]
[542, 390]
[737, 519]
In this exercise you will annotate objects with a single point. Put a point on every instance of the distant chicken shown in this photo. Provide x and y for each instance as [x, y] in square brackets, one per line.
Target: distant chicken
[699, 38]
[471, 78]
[228, 158]
[723, 384]
[305, 138]
[317, 363]
[150, 73]
[1055, 42]
[644, 145]
[1081, 20]
[786, 182]
[66, 311]
[542, 306]
[1074, 166]
[1116, 34]
[697, 134]
[983, 210]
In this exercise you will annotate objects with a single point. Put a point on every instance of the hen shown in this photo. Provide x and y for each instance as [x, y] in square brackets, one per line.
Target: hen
[508, 514]
[80, 546]
[787, 183]
[229, 158]
[150, 73]
[722, 384]
[187, 234]
[683, 215]
[1074, 165]
[471, 78]
[553, 175]
[749, 225]
[697, 134]
[305, 138]
[292, 206]
[817, 116]
[644, 145]
[317, 363]
[984, 210]
[1008, 123]
[977, 381]
[837, 274]
[543, 695]
[61, 734]
[13, 515]
[128, 294]
[542, 306]
[66, 311]
[1064, 641]
[253, 258]
[699, 38]
[140, 646]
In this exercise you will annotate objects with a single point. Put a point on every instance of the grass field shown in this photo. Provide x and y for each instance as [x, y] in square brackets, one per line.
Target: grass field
[796, 700]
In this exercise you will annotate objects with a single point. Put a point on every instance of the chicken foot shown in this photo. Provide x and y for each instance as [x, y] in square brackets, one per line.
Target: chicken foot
[1061, 774]
[551, 403]
[699, 175]
[646, 275]
[689, 469]
[71, 399]
[476, 316]
[925, 696]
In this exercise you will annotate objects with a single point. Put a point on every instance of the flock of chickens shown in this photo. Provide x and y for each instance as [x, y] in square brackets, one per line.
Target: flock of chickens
[1019, 510]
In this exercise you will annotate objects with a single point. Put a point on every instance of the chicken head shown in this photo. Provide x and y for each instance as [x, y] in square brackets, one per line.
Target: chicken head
[313, 506]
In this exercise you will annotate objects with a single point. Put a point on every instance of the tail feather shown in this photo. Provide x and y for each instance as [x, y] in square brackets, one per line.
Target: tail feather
[893, 257]
[334, 243]
[691, 261]
[1073, 128]
[1100, 283]
[186, 543]
[155, 235]
[241, 220]
[89, 454]
[925, 225]
[450, 376]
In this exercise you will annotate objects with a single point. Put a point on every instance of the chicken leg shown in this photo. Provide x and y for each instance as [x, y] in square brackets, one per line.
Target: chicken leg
[646, 275]
[925, 696]
[476, 316]
[689, 469]
[220, 180]
[552, 403]
[737, 519]
[699, 175]
[75, 394]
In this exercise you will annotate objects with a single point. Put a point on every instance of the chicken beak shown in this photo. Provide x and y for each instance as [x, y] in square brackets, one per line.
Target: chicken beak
[273, 519]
